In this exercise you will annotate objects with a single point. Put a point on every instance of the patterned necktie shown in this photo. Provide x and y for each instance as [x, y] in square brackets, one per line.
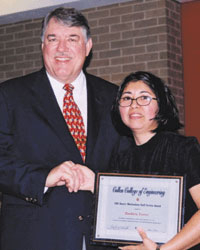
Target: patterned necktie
[74, 120]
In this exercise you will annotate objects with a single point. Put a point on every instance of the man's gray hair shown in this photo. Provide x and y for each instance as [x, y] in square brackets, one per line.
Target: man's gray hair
[69, 17]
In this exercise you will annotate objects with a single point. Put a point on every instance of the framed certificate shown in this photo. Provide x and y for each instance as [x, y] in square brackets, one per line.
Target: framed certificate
[127, 201]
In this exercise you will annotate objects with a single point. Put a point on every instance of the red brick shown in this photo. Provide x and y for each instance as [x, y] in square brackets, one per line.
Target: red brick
[110, 53]
[130, 36]
[122, 60]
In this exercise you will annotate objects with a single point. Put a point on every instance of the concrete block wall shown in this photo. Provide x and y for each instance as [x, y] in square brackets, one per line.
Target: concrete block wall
[130, 36]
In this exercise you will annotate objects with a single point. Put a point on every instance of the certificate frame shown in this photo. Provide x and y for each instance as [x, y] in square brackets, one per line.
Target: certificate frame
[124, 202]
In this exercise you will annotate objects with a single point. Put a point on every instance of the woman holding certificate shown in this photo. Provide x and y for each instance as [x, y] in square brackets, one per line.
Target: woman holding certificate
[146, 112]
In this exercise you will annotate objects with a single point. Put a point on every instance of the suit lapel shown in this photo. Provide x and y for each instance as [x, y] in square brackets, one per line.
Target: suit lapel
[95, 109]
[49, 109]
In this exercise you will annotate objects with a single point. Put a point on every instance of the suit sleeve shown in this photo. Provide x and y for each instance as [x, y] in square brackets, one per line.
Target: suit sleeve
[17, 177]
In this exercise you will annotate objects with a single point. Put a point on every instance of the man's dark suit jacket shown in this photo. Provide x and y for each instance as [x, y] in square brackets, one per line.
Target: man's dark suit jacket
[34, 138]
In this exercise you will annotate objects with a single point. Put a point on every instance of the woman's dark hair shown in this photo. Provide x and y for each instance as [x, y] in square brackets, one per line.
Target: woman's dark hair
[167, 116]
[69, 17]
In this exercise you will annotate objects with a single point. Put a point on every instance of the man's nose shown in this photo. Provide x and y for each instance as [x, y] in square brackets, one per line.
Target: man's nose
[62, 45]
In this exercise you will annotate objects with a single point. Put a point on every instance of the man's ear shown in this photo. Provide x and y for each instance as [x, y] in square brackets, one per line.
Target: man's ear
[88, 46]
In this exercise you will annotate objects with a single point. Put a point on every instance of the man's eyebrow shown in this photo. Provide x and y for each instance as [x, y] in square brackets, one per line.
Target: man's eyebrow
[71, 35]
[51, 35]
[74, 35]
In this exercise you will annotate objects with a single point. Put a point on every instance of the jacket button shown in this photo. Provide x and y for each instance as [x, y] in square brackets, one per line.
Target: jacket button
[80, 217]
[28, 199]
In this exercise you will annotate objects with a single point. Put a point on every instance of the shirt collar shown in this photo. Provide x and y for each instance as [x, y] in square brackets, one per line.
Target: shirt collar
[79, 83]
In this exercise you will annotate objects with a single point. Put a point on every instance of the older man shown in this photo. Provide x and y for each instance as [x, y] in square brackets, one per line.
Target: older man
[38, 149]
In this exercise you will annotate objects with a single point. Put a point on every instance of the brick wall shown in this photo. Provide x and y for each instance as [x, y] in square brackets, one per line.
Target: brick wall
[19, 48]
[131, 36]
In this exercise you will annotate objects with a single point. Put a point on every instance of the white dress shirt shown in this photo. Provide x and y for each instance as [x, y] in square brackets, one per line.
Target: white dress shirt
[80, 98]
[79, 94]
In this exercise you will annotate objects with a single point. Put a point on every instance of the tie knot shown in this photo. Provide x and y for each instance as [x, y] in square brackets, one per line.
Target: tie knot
[68, 87]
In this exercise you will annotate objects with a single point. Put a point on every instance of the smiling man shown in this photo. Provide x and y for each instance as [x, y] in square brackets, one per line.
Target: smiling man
[64, 50]
[47, 204]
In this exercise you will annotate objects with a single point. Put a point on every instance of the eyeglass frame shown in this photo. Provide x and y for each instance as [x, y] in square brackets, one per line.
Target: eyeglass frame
[136, 99]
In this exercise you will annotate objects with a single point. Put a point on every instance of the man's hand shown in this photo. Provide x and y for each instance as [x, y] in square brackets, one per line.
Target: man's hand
[74, 176]
[65, 174]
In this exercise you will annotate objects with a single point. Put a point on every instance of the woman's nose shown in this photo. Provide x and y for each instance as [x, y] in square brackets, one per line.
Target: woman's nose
[134, 103]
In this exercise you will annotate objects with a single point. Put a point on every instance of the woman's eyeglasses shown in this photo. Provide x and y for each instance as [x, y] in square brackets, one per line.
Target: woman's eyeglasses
[143, 100]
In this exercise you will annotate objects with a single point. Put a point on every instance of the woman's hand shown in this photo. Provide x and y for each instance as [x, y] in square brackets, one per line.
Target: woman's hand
[146, 245]
[86, 177]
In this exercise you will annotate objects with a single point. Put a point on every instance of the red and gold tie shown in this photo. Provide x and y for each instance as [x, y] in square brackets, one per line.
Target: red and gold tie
[74, 120]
